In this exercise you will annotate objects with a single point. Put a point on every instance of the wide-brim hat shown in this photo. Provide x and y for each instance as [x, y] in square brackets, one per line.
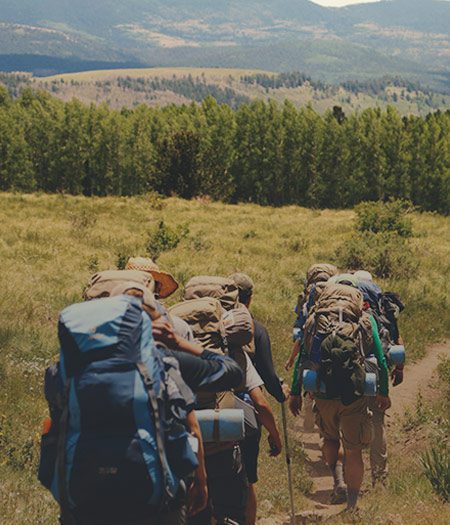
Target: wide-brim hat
[144, 264]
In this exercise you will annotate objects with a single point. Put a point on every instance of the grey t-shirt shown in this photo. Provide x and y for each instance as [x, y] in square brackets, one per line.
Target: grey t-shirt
[182, 328]
[252, 378]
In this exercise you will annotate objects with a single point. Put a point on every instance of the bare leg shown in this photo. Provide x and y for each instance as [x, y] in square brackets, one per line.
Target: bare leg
[251, 505]
[354, 474]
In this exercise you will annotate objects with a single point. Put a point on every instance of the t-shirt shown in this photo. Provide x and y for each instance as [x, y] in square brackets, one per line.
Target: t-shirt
[264, 362]
[181, 328]
[252, 378]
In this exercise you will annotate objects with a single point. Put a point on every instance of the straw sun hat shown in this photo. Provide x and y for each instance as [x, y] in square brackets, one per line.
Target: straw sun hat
[145, 264]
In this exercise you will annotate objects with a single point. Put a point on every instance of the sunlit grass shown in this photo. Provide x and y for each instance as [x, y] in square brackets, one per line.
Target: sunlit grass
[49, 246]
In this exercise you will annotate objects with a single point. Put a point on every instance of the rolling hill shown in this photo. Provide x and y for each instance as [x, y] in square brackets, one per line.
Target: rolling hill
[161, 86]
[411, 37]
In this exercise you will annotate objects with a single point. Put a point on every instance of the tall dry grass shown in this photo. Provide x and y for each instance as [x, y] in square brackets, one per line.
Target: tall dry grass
[49, 246]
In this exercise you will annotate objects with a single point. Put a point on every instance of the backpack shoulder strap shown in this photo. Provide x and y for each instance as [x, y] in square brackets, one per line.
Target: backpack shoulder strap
[148, 383]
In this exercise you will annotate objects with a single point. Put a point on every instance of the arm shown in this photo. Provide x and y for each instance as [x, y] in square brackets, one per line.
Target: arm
[201, 369]
[267, 420]
[295, 400]
[398, 372]
[264, 363]
[198, 492]
[294, 353]
[210, 372]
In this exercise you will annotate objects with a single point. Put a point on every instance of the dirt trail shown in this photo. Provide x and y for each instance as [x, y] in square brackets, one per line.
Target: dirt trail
[418, 378]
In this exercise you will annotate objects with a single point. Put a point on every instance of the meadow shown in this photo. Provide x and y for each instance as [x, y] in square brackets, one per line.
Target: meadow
[51, 244]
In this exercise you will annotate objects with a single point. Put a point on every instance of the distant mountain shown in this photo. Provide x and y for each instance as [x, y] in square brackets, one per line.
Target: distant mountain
[411, 37]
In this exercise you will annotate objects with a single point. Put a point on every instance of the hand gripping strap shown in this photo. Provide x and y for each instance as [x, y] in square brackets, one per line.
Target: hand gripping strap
[148, 383]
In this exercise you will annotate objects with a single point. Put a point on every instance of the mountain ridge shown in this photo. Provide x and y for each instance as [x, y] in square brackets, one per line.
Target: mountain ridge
[406, 36]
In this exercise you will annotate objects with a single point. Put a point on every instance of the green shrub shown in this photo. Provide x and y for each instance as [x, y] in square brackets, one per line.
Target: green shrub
[383, 254]
[379, 217]
[93, 264]
[165, 238]
[436, 464]
[122, 259]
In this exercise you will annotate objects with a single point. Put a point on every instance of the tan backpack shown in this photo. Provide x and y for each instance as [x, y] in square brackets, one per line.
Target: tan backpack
[205, 317]
[218, 331]
[115, 282]
[316, 279]
[220, 288]
[338, 311]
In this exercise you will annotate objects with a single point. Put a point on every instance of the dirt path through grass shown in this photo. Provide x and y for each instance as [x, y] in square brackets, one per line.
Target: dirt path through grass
[418, 378]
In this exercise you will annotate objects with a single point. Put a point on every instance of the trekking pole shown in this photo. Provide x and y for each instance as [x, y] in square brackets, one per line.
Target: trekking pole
[288, 461]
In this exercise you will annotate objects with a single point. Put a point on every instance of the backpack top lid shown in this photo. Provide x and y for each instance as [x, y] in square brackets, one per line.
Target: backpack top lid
[341, 299]
[371, 292]
[205, 317]
[117, 282]
[347, 279]
[318, 273]
[221, 288]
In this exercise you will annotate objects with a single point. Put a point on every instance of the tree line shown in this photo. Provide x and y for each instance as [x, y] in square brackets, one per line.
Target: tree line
[262, 152]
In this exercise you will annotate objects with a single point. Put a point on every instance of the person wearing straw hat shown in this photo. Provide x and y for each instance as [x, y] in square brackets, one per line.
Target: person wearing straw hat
[165, 283]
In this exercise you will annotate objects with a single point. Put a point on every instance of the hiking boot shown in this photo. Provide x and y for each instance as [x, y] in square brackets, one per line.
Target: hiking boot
[339, 495]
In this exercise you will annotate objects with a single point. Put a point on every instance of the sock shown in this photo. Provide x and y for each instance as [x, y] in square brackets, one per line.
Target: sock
[337, 471]
[352, 498]
[339, 479]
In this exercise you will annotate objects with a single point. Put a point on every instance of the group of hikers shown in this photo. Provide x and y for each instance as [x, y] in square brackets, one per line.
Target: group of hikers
[155, 412]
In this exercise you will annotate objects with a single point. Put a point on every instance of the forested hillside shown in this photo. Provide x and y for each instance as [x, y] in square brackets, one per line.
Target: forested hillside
[161, 86]
[407, 37]
[262, 152]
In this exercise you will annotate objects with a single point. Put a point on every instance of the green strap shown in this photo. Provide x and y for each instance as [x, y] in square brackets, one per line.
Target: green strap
[296, 388]
[379, 354]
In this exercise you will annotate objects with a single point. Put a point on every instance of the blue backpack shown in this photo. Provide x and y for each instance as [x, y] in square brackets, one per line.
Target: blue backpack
[120, 451]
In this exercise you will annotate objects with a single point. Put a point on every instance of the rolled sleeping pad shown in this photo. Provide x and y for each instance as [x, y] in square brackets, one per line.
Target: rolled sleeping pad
[370, 386]
[221, 426]
[310, 383]
[397, 354]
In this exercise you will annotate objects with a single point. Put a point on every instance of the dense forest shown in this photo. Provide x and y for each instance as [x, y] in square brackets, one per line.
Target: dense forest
[261, 152]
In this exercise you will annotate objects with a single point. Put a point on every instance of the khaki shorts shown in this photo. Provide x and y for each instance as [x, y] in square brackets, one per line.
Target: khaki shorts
[352, 423]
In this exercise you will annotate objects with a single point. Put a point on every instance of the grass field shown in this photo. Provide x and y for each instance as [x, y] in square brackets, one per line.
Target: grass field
[212, 73]
[50, 245]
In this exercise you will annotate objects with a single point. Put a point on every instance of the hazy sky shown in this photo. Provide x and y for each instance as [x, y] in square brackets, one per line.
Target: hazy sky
[338, 3]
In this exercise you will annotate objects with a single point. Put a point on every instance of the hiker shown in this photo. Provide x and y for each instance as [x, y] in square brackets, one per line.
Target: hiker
[263, 362]
[339, 342]
[212, 372]
[317, 276]
[211, 307]
[374, 299]
[182, 467]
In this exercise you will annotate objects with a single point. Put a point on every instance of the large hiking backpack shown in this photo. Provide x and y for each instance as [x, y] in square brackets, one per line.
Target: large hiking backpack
[385, 308]
[226, 291]
[316, 279]
[120, 446]
[115, 282]
[221, 288]
[219, 331]
[337, 331]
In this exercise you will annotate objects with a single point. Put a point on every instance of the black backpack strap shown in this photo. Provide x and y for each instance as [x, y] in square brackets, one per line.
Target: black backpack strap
[168, 496]
[67, 517]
